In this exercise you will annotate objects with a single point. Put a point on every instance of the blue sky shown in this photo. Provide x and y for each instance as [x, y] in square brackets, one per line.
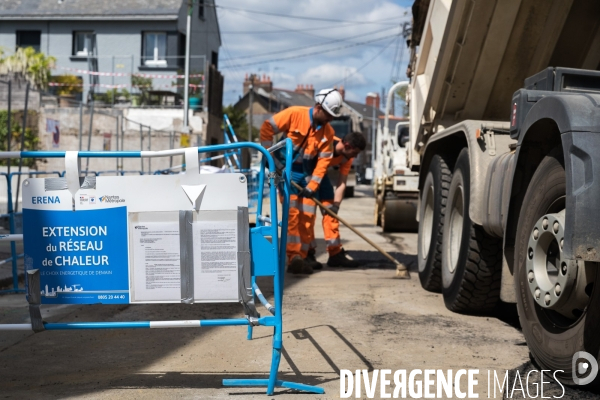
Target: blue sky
[329, 42]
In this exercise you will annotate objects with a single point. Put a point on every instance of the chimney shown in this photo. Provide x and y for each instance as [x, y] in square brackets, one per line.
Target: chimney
[306, 89]
[257, 81]
[372, 100]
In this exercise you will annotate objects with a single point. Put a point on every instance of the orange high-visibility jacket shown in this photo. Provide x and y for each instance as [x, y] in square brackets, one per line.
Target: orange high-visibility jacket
[314, 151]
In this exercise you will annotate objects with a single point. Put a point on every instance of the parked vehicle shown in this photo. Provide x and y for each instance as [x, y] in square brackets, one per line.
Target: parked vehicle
[509, 184]
[395, 185]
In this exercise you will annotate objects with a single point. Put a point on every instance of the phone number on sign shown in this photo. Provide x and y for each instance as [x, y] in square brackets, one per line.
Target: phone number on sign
[110, 296]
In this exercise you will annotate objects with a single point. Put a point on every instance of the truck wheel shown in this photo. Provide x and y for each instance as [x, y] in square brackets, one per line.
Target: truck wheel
[557, 301]
[399, 215]
[378, 208]
[471, 259]
[431, 221]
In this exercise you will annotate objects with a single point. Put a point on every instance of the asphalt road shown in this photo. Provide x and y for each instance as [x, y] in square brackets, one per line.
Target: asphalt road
[336, 319]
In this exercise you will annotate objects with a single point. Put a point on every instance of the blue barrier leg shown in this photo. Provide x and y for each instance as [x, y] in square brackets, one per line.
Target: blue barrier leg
[275, 359]
[249, 337]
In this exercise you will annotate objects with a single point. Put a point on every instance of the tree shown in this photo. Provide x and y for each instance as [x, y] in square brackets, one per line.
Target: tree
[143, 85]
[402, 94]
[32, 141]
[28, 64]
[239, 122]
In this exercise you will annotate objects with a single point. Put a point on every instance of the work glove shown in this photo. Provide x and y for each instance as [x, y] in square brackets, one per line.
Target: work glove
[335, 209]
[306, 192]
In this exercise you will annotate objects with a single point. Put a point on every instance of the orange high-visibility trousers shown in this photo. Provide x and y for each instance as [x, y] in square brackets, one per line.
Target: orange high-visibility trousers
[300, 226]
[331, 231]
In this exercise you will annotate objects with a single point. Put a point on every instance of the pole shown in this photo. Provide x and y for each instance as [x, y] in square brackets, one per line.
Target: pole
[142, 146]
[22, 146]
[373, 138]
[80, 123]
[401, 270]
[149, 149]
[122, 139]
[117, 139]
[113, 82]
[186, 88]
[8, 130]
[89, 144]
[171, 144]
[250, 113]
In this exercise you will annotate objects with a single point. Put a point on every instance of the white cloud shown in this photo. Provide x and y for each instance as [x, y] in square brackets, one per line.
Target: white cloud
[326, 74]
[300, 36]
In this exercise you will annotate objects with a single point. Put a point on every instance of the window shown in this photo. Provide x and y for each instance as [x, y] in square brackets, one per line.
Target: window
[29, 39]
[201, 9]
[155, 49]
[83, 43]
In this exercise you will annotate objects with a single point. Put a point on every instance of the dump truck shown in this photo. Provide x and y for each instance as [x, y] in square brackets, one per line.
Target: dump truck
[504, 104]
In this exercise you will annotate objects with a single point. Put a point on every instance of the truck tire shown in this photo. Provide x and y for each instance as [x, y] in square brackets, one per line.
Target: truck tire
[552, 337]
[378, 208]
[399, 215]
[433, 197]
[471, 259]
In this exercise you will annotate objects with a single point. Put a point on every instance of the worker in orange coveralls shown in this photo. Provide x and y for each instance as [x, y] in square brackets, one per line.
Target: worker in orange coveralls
[312, 137]
[344, 152]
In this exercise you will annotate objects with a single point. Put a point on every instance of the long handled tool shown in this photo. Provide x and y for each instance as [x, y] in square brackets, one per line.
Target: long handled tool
[401, 270]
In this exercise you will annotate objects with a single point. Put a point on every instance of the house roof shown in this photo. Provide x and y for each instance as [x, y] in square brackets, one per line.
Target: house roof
[275, 98]
[291, 98]
[90, 9]
[365, 110]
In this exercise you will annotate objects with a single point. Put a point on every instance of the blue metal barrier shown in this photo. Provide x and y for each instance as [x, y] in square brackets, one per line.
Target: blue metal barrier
[267, 251]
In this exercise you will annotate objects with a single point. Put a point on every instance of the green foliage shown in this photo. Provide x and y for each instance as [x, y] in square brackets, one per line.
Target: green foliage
[70, 84]
[32, 141]
[143, 85]
[402, 94]
[28, 64]
[239, 121]
[113, 95]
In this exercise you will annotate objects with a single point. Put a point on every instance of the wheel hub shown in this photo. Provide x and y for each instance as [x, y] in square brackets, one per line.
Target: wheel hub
[551, 276]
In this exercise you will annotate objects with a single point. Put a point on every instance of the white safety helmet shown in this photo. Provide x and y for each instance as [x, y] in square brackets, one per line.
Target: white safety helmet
[330, 100]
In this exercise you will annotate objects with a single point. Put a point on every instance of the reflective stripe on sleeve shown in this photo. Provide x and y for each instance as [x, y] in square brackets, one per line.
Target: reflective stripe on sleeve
[266, 143]
[316, 179]
[274, 125]
[326, 154]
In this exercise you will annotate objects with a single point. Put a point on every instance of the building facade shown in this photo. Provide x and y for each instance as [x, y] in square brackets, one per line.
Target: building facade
[116, 39]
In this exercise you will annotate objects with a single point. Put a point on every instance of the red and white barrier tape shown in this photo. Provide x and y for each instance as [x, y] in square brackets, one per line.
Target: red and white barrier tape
[157, 76]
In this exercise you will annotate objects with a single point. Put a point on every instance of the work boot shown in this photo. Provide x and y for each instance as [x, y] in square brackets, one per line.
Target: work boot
[299, 266]
[310, 258]
[341, 260]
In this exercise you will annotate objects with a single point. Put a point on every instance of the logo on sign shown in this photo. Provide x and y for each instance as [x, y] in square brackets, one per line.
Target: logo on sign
[83, 199]
[111, 199]
[45, 200]
[92, 199]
